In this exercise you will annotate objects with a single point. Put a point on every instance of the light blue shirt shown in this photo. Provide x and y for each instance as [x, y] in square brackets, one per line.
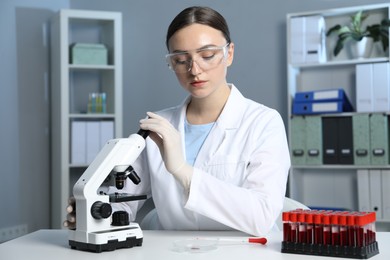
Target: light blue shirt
[194, 139]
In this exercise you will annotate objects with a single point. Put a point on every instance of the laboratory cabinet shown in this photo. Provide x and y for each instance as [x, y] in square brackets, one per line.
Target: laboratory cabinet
[86, 95]
[340, 160]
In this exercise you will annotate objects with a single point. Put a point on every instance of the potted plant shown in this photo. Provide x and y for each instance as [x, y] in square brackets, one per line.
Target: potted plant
[354, 31]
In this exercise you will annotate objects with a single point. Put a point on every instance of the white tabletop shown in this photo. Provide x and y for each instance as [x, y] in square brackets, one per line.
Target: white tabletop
[53, 244]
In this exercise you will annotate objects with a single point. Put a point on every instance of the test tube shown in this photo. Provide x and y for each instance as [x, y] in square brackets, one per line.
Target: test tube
[372, 227]
[361, 229]
[343, 229]
[301, 227]
[335, 229]
[351, 229]
[286, 226]
[309, 227]
[318, 229]
[293, 227]
[326, 236]
[104, 103]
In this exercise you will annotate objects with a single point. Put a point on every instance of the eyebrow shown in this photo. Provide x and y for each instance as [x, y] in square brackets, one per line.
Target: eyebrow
[199, 49]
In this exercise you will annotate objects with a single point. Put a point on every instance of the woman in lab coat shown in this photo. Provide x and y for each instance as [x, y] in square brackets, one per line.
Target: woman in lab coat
[218, 160]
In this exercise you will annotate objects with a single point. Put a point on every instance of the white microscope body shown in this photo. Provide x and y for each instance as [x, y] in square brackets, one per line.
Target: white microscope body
[94, 229]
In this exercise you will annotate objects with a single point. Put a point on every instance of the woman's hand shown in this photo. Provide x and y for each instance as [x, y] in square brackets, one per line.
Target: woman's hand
[70, 221]
[168, 140]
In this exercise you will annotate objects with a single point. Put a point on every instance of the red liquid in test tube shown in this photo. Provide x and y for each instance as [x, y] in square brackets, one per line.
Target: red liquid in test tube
[361, 231]
[301, 228]
[286, 226]
[343, 229]
[371, 232]
[309, 227]
[293, 227]
[351, 229]
[326, 238]
[318, 229]
[335, 230]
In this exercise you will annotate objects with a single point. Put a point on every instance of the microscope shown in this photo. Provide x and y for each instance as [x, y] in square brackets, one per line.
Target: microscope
[97, 227]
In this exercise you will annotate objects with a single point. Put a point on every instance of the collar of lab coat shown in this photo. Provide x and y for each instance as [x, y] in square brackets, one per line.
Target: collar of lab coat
[231, 115]
[229, 119]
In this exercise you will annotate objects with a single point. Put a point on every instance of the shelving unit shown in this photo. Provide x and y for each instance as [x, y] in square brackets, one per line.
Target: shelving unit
[71, 86]
[319, 184]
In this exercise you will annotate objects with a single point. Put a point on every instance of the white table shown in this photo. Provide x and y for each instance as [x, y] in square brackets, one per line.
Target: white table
[53, 244]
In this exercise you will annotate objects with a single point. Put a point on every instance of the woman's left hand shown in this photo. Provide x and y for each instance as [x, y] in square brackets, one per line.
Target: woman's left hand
[168, 140]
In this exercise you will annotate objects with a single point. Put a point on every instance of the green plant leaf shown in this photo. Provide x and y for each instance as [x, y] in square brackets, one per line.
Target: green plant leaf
[333, 29]
[354, 31]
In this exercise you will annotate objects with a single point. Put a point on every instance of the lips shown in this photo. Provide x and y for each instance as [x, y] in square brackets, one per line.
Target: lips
[198, 83]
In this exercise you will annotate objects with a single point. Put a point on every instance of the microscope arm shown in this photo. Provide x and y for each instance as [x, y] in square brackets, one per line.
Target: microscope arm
[117, 155]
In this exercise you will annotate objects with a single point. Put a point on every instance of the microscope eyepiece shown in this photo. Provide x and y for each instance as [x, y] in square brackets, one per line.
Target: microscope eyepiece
[120, 180]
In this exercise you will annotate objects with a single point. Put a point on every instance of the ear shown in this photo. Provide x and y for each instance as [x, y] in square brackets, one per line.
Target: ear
[230, 56]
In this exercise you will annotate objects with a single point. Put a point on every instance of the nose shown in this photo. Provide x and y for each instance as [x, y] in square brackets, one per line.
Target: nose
[195, 68]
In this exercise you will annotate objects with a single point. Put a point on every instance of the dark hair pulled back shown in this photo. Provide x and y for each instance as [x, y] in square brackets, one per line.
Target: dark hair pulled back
[200, 15]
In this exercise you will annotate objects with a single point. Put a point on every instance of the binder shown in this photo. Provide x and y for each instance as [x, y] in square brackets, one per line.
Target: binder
[364, 88]
[379, 139]
[78, 142]
[381, 87]
[363, 190]
[298, 140]
[297, 36]
[373, 87]
[330, 138]
[315, 39]
[93, 140]
[345, 140]
[386, 194]
[307, 108]
[106, 132]
[376, 192]
[313, 140]
[321, 96]
[361, 139]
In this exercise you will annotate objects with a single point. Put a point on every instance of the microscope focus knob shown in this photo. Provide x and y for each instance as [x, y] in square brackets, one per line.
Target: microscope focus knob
[101, 210]
[120, 218]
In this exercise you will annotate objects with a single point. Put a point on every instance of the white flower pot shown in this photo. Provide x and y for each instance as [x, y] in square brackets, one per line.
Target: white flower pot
[363, 48]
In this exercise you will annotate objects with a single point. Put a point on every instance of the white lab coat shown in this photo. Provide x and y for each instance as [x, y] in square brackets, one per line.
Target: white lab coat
[240, 173]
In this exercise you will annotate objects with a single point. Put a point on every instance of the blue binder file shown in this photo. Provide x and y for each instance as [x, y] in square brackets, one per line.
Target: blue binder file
[305, 108]
[321, 95]
[321, 102]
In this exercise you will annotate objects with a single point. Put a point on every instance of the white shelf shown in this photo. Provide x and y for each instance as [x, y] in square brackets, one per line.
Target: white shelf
[91, 67]
[71, 85]
[330, 185]
[340, 167]
[91, 116]
[340, 63]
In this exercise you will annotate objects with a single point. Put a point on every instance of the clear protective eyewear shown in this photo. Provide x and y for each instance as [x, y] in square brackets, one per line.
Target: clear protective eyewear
[206, 58]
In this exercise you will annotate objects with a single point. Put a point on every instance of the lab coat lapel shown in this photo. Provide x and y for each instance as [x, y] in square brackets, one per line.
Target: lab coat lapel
[225, 126]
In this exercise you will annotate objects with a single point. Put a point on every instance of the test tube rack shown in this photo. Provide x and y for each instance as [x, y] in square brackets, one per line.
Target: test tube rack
[348, 234]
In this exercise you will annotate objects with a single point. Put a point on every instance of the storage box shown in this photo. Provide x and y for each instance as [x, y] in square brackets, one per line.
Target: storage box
[91, 54]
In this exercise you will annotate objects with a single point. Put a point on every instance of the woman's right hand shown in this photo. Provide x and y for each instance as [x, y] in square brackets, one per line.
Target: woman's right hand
[70, 221]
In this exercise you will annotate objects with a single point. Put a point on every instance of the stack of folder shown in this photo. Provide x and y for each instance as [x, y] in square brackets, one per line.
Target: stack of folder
[356, 139]
[321, 102]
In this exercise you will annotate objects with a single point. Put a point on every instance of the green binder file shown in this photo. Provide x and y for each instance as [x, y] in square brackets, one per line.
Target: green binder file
[313, 140]
[298, 140]
[361, 139]
[379, 139]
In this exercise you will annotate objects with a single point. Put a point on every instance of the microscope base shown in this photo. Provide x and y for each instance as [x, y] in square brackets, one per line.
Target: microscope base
[106, 240]
[110, 246]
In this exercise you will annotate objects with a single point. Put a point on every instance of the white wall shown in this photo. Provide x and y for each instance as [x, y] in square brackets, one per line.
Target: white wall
[24, 113]
[259, 71]
[258, 29]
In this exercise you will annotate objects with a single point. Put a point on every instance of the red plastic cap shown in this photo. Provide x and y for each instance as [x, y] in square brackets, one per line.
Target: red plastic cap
[285, 216]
